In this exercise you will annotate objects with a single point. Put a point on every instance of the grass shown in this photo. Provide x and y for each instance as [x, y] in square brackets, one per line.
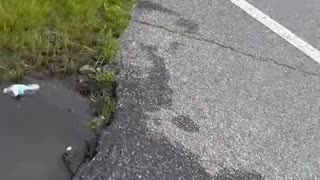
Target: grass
[37, 35]
[67, 33]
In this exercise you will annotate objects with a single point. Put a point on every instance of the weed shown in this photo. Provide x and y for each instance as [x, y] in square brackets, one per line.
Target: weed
[105, 78]
[117, 15]
[104, 119]
[97, 123]
[111, 47]
[106, 104]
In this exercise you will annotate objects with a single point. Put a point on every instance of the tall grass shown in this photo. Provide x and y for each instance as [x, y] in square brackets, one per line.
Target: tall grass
[36, 34]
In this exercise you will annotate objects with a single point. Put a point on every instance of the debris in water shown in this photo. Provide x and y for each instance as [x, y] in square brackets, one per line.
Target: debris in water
[19, 90]
[74, 158]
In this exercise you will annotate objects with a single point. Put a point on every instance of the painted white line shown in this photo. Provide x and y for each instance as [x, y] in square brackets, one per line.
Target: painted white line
[279, 29]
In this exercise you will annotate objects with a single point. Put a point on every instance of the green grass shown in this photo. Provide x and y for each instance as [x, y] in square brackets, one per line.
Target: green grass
[103, 93]
[66, 34]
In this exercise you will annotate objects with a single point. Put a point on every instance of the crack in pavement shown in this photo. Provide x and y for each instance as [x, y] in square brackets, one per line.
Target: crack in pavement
[229, 48]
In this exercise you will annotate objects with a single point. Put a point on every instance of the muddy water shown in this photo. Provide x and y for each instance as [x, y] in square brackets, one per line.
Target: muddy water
[35, 131]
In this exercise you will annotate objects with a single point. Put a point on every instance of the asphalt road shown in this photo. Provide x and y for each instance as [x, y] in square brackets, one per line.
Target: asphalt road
[207, 92]
[301, 17]
[35, 131]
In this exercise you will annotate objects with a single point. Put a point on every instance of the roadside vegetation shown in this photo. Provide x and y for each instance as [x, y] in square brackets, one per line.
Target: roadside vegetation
[61, 36]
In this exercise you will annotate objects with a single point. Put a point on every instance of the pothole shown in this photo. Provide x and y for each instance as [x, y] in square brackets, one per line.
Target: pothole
[36, 131]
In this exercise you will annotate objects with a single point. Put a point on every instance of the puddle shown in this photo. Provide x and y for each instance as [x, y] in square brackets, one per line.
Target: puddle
[36, 131]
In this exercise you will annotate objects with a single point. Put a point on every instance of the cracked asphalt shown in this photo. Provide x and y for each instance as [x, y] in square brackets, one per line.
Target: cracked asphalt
[207, 92]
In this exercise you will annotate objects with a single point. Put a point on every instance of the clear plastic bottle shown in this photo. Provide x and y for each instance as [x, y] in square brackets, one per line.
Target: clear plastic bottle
[19, 90]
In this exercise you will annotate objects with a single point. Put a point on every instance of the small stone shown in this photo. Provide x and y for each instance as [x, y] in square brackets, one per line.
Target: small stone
[69, 148]
[99, 69]
[81, 79]
[87, 69]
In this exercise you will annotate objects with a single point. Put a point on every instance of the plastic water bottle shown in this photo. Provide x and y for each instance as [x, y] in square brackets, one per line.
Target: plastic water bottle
[19, 90]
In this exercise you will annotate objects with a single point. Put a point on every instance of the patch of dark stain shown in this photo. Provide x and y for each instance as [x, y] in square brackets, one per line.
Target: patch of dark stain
[150, 49]
[186, 123]
[156, 91]
[70, 110]
[175, 46]
[190, 26]
[233, 174]
[151, 6]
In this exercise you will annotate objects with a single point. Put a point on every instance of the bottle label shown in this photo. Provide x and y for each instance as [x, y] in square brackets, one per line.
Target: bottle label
[20, 91]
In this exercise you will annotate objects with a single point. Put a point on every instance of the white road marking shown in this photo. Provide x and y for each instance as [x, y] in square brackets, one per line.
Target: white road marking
[279, 29]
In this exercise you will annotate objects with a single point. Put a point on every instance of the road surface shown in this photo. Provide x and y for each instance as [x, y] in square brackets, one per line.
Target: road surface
[206, 91]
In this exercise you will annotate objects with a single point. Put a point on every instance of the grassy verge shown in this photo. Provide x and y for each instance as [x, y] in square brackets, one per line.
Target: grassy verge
[60, 37]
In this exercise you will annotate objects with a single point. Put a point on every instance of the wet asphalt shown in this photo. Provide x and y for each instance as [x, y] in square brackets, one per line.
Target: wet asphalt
[36, 130]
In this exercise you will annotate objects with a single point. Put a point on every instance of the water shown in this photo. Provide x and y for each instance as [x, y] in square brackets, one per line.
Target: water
[35, 131]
